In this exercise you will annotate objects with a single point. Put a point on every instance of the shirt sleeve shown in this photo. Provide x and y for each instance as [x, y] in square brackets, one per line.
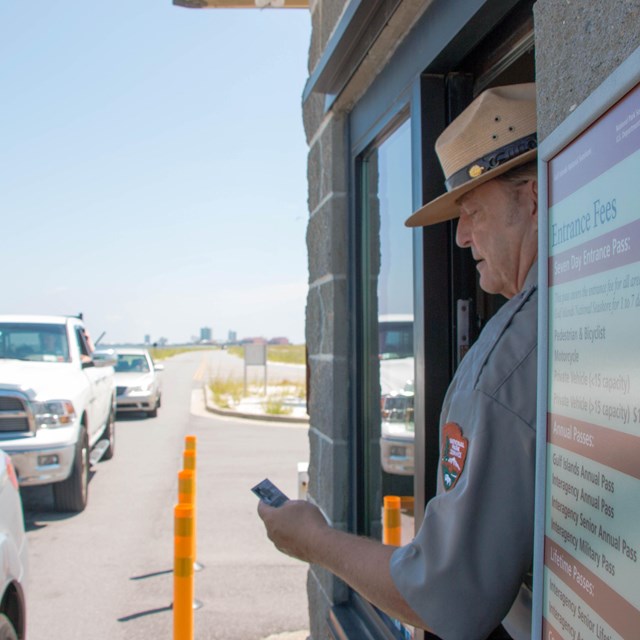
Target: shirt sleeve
[465, 566]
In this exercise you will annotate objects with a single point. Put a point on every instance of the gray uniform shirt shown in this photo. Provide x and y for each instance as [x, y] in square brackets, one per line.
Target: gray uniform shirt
[465, 569]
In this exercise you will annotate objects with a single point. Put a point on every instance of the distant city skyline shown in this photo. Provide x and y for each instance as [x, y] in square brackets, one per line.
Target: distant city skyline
[153, 171]
[231, 337]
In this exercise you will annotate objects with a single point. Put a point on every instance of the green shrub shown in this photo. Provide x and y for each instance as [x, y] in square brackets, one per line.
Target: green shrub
[226, 392]
[275, 406]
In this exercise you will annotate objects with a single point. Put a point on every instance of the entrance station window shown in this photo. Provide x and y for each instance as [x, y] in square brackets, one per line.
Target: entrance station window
[385, 462]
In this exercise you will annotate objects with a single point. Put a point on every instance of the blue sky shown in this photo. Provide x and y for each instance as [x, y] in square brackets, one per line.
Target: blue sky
[153, 167]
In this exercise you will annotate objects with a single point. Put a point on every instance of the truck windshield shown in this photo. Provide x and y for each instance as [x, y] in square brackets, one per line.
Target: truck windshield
[39, 342]
[396, 339]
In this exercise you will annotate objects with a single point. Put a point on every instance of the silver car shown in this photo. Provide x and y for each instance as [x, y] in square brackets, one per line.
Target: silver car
[397, 430]
[138, 385]
[13, 555]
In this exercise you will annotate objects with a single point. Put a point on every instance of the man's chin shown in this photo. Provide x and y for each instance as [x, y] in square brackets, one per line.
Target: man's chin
[487, 284]
[494, 288]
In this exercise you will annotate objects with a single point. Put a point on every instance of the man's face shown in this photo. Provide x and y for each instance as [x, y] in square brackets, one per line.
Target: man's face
[498, 222]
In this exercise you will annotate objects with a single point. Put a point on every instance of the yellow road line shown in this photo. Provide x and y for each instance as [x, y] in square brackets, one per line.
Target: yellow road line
[203, 370]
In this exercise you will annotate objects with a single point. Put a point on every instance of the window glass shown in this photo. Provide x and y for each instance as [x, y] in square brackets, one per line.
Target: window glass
[386, 339]
[132, 362]
[82, 343]
[39, 342]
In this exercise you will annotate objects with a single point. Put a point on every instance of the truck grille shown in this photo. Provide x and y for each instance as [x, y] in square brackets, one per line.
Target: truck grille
[15, 415]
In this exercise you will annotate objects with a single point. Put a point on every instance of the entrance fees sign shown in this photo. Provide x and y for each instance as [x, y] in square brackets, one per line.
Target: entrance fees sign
[592, 508]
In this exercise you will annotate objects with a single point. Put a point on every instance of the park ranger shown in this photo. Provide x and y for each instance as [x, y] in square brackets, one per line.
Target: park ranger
[468, 568]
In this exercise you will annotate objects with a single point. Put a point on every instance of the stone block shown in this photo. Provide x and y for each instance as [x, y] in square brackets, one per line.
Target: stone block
[329, 475]
[329, 398]
[327, 239]
[578, 44]
[321, 588]
[326, 168]
[313, 114]
[326, 318]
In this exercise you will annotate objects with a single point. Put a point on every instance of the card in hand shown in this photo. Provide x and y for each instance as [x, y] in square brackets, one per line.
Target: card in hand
[269, 493]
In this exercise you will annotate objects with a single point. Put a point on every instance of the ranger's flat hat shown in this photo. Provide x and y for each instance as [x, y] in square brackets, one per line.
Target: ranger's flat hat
[495, 133]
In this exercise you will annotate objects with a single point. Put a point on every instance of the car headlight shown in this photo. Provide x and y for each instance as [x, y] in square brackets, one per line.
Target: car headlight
[54, 413]
[140, 389]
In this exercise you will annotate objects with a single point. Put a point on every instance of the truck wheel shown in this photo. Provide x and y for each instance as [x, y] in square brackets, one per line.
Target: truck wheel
[110, 435]
[72, 493]
[7, 630]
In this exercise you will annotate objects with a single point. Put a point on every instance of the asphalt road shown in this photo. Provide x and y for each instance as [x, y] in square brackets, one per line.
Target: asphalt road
[107, 572]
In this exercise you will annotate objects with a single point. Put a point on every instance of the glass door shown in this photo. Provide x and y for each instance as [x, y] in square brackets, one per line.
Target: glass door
[385, 339]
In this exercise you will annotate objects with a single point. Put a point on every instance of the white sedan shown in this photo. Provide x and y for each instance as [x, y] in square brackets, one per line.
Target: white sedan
[13, 554]
[138, 385]
[397, 430]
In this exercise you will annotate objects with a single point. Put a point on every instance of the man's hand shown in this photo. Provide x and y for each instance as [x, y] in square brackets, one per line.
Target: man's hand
[293, 527]
[299, 529]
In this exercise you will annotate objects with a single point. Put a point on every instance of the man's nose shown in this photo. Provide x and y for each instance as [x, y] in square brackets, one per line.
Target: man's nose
[463, 235]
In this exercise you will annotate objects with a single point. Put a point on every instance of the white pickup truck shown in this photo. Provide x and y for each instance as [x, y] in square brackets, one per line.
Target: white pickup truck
[57, 404]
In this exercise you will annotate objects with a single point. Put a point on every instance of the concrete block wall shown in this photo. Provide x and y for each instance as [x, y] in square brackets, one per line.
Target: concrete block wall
[578, 44]
[327, 311]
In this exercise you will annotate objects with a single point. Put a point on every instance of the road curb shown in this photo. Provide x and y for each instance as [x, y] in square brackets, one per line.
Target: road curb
[265, 417]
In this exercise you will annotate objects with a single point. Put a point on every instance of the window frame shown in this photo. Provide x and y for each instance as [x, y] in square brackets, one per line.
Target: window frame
[363, 513]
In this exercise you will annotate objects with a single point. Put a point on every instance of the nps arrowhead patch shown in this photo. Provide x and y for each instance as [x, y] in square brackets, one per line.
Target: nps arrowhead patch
[454, 454]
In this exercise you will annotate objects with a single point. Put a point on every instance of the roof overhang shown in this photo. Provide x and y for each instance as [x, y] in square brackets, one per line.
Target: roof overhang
[357, 30]
[242, 4]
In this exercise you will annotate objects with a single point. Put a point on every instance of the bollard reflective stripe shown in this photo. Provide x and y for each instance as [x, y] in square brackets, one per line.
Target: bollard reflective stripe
[392, 525]
[186, 487]
[189, 459]
[184, 527]
[183, 511]
[392, 517]
[183, 567]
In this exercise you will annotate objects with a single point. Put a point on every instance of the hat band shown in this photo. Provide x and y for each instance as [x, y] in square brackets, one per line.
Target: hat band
[492, 160]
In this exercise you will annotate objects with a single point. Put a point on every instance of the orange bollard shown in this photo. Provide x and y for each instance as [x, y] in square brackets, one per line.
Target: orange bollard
[183, 579]
[391, 525]
[187, 495]
[186, 487]
[190, 443]
[187, 491]
[189, 459]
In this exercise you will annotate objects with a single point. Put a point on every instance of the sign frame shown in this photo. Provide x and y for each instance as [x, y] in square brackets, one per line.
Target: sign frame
[620, 82]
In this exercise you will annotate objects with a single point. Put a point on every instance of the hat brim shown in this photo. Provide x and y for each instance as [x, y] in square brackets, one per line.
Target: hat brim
[444, 207]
